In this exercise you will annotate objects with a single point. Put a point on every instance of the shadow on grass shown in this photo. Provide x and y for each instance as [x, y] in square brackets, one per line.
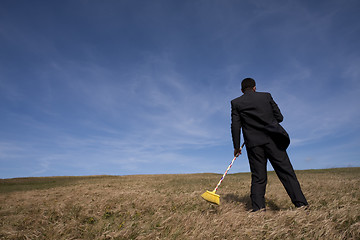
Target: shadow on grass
[239, 199]
[246, 201]
[272, 205]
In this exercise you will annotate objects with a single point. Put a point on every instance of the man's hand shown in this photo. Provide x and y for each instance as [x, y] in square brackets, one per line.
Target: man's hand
[237, 152]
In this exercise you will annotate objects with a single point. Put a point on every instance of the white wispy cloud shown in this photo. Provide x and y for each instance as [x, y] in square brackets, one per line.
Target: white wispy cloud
[312, 112]
[161, 110]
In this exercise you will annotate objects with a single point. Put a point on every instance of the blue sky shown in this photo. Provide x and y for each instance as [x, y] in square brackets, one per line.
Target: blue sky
[144, 87]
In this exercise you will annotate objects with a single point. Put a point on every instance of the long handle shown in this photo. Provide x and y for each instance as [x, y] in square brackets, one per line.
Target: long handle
[227, 170]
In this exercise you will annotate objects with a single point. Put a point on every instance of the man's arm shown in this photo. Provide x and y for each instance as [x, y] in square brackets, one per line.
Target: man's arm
[276, 111]
[235, 129]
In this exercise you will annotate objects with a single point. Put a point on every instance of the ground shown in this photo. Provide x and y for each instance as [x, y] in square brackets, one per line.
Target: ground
[170, 207]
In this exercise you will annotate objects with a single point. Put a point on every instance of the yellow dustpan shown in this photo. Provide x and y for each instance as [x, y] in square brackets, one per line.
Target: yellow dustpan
[212, 196]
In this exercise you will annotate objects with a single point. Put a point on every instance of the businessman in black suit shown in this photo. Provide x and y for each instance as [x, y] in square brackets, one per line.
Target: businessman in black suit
[257, 114]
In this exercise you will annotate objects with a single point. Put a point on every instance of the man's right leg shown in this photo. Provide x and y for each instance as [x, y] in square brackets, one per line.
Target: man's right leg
[258, 161]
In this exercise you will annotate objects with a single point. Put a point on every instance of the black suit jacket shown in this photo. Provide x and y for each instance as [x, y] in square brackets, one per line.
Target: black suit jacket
[257, 114]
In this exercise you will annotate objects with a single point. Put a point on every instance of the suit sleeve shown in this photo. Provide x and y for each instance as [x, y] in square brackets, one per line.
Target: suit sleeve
[276, 111]
[235, 126]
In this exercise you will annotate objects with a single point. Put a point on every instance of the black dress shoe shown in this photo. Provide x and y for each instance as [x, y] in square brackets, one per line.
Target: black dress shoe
[302, 206]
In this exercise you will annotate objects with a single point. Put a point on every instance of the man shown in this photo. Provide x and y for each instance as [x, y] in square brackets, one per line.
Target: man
[257, 114]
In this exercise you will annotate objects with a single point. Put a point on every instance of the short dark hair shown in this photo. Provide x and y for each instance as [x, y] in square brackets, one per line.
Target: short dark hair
[247, 83]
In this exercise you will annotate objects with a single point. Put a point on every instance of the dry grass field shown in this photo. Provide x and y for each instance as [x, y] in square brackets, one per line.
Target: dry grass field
[170, 207]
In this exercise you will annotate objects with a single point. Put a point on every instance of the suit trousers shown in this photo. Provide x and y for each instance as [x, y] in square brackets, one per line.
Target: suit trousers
[280, 161]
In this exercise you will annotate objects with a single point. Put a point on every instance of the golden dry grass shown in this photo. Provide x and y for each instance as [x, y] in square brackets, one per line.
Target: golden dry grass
[170, 207]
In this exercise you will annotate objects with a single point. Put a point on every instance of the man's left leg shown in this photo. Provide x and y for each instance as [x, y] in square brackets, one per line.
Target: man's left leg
[284, 170]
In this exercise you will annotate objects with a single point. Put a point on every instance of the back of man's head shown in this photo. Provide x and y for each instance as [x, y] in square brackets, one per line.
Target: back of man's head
[247, 84]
